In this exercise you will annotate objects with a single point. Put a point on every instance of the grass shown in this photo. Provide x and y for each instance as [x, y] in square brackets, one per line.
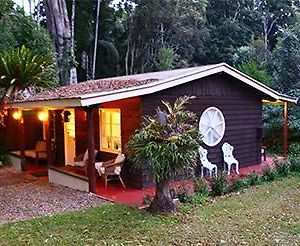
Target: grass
[264, 215]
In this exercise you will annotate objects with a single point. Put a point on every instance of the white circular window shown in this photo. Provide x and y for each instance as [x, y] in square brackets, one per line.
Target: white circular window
[212, 126]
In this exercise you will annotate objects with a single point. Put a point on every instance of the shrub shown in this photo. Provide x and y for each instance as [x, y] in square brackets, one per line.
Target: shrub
[182, 193]
[252, 178]
[199, 198]
[269, 174]
[147, 199]
[219, 185]
[294, 165]
[200, 187]
[237, 184]
[294, 158]
[4, 160]
[282, 168]
[185, 198]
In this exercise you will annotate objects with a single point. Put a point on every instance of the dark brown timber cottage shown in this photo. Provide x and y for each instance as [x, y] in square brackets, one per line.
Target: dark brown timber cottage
[103, 114]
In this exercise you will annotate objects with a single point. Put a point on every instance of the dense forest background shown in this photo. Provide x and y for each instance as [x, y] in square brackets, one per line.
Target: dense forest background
[103, 38]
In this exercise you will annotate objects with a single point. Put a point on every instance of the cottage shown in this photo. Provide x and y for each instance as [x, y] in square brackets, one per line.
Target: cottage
[103, 114]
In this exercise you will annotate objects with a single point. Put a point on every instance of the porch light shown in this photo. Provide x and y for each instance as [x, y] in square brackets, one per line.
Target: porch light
[17, 115]
[43, 115]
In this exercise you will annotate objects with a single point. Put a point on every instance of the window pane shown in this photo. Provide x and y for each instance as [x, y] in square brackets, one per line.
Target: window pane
[105, 117]
[116, 131]
[110, 130]
[116, 118]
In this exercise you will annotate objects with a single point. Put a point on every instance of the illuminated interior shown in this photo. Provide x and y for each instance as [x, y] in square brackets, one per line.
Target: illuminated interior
[110, 130]
[71, 125]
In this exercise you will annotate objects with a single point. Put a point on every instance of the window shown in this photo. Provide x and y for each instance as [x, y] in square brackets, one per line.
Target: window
[212, 126]
[110, 130]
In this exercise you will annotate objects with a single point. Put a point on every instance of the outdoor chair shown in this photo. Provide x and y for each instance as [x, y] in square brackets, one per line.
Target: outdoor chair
[205, 163]
[111, 168]
[39, 152]
[229, 158]
[81, 160]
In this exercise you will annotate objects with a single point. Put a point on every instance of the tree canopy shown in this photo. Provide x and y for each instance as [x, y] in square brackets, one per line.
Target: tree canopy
[17, 29]
[259, 37]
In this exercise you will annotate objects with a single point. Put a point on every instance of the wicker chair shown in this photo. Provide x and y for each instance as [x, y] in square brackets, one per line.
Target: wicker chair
[111, 169]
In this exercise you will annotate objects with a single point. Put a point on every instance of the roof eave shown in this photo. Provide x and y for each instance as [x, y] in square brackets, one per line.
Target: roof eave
[53, 103]
[258, 85]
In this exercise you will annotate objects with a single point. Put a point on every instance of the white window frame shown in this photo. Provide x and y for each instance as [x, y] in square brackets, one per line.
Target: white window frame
[109, 150]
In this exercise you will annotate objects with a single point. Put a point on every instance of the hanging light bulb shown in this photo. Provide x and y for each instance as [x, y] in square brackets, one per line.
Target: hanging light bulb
[43, 115]
[17, 115]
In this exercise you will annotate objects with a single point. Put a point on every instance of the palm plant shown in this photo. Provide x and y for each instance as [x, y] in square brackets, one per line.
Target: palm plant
[23, 70]
[168, 144]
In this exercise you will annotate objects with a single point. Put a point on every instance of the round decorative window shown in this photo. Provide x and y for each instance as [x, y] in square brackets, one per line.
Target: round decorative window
[212, 126]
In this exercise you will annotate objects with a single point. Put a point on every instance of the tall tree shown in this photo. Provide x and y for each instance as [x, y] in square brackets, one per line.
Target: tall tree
[73, 72]
[287, 63]
[59, 27]
[231, 24]
[105, 43]
[154, 24]
[96, 39]
[275, 16]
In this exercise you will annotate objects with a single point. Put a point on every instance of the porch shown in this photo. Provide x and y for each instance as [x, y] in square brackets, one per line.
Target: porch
[70, 132]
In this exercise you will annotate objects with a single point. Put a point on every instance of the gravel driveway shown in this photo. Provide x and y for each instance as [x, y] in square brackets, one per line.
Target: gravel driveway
[23, 197]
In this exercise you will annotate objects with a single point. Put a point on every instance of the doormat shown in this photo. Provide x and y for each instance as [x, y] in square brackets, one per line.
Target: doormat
[40, 174]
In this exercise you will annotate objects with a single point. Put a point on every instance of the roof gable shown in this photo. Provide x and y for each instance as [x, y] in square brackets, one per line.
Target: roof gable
[105, 90]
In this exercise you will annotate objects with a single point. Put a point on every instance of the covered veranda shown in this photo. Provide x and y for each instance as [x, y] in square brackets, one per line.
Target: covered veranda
[55, 132]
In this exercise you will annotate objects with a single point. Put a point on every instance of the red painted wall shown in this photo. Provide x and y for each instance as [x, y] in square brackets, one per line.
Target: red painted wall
[10, 132]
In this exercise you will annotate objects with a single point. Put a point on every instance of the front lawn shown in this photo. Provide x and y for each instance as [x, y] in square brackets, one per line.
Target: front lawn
[264, 215]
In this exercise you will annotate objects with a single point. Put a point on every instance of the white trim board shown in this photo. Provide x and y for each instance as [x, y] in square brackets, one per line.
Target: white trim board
[101, 97]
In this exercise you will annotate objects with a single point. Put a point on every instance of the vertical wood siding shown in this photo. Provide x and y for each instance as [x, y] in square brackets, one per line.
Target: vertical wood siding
[57, 127]
[80, 131]
[130, 121]
[241, 106]
[11, 131]
[130, 116]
